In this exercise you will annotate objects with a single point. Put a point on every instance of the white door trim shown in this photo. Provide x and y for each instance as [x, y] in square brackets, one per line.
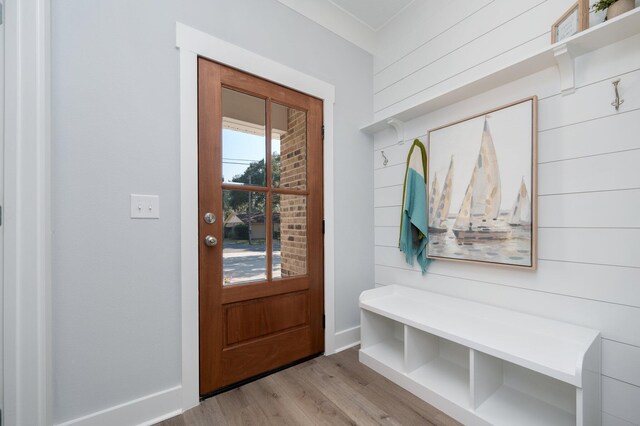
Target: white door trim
[193, 43]
[2, 82]
[27, 214]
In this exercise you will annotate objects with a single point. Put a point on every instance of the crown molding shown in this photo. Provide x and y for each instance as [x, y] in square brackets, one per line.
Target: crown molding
[336, 20]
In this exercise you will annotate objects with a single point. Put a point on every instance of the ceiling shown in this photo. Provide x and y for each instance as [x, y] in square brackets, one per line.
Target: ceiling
[373, 13]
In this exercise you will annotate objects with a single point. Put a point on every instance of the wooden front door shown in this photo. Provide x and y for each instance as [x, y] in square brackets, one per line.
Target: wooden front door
[260, 226]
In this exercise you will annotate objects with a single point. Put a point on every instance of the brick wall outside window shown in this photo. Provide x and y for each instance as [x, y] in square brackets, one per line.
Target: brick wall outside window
[293, 208]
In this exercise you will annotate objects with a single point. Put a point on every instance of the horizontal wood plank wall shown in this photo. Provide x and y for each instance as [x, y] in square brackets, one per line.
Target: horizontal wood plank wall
[589, 175]
[481, 36]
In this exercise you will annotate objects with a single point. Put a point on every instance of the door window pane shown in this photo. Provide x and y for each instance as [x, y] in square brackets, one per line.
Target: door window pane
[243, 138]
[289, 147]
[244, 256]
[289, 235]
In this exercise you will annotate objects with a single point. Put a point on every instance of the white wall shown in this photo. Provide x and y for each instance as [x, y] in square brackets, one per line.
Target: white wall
[116, 282]
[589, 181]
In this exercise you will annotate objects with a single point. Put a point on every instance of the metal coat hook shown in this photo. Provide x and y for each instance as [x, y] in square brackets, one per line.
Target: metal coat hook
[386, 160]
[617, 101]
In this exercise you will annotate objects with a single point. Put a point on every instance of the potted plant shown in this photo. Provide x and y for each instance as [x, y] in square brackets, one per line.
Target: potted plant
[613, 7]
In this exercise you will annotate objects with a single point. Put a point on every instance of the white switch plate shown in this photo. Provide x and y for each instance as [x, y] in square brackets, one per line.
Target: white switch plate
[145, 206]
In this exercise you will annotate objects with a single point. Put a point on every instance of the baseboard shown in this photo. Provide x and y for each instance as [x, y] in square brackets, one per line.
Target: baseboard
[143, 411]
[162, 405]
[348, 338]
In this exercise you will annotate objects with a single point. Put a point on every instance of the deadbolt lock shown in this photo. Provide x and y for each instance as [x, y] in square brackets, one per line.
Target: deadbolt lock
[209, 218]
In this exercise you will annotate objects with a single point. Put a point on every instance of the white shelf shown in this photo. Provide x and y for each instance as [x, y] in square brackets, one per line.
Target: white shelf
[389, 352]
[508, 406]
[445, 378]
[562, 54]
[549, 347]
[481, 364]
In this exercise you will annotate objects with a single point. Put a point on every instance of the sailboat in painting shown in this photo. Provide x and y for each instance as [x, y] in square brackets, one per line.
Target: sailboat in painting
[434, 199]
[521, 211]
[478, 215]
[439, 210]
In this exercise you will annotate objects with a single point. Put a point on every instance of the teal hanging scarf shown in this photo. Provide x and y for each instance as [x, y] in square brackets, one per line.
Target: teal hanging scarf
[413, 223]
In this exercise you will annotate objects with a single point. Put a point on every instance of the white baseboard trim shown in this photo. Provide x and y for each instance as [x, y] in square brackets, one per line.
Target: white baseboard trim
[144, 411]
[348, 338]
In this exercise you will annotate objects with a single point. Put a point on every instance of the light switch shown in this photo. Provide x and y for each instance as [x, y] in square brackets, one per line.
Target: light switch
[145, 206]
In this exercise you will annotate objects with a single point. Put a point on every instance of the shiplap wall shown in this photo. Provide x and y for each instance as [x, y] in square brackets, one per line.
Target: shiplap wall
[589, 180]
[434, 46]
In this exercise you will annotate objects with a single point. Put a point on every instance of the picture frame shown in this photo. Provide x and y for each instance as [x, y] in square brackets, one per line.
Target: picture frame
[573, 21]
[484, 211]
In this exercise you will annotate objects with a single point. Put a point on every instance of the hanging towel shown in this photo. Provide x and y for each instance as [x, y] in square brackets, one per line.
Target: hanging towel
[413, 223]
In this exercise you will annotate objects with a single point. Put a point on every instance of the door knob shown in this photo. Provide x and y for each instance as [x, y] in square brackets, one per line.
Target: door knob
[210, 241]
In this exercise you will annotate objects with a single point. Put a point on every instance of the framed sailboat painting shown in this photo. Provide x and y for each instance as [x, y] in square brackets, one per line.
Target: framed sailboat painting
[482, 174]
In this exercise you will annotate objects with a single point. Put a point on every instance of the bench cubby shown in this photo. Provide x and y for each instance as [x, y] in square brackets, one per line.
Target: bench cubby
[481, 364]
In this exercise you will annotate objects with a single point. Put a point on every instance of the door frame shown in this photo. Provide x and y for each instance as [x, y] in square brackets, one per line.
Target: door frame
[26, 286]
[193, 43]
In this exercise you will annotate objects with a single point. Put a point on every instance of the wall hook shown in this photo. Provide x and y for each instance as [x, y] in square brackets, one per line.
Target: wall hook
[386, 160]
[399, 126]
[617, 101]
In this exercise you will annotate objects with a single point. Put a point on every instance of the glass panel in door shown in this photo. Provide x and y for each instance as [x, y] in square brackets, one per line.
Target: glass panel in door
[243, 138]
[289, 229]
[288, 147]
[244, 256]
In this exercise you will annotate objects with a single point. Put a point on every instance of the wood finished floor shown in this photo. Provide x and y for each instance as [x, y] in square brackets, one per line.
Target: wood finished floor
[333, 390]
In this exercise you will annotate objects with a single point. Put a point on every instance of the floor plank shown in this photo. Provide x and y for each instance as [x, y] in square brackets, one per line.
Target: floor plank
[312, 400]
[278, 406]
[207, 413]
[357, 407]
[333, 390]
[400, 405]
